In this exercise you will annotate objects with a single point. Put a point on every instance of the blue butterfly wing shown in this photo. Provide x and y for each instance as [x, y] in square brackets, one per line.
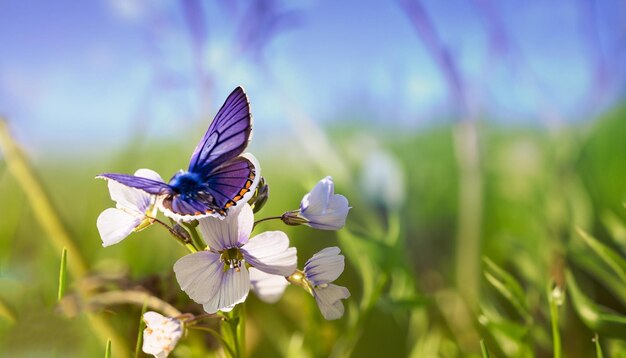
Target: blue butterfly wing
[233, 182]
[226, 186]
[148, 185]
[184, 207]
[227, 136]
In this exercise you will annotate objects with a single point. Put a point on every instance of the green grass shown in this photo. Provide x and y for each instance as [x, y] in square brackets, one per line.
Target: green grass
[539, 187]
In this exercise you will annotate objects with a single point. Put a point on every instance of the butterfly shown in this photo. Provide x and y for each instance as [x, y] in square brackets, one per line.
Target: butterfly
[219, 176]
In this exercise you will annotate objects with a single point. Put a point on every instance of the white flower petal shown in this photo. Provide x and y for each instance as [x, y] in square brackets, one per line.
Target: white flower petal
[325, 266]
[269, 288]
[270, 252]
[315, 201]
[130, 198]
[148, 174]
[323, 208]
[233, 231]
[153, 318]
[161, 334]
[115, 225]
[328, 300]
[333, 218]
[232, 290]
[200, 275]
[245, 221]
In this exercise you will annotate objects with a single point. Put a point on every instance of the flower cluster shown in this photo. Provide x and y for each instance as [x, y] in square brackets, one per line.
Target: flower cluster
[211, 209]
[220, 271]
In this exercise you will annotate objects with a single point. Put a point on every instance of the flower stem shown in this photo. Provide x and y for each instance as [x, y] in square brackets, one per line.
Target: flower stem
[182, 240]
[200, 317]
[554, 318]
[233, 329]
[241, 330]
[266, 219]
[142, 324]
[198, 242]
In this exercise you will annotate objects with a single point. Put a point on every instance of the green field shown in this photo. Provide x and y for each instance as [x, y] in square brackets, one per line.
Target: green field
[523, 250]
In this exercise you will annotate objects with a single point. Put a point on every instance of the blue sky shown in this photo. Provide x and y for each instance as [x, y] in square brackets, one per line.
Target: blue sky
[77, 73]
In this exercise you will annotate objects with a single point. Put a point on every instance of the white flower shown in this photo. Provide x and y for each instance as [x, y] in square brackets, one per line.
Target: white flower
[269, 288]
[129, 214]
[218, 277]
[161, 334]
[322, 269]
[322, 208]
[382, 180]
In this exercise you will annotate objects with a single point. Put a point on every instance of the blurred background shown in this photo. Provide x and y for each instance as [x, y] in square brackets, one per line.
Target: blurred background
[481, 144]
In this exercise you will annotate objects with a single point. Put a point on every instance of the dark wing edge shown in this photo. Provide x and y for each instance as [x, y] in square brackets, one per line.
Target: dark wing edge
[150, 186]
[227, 136]
[234, 183]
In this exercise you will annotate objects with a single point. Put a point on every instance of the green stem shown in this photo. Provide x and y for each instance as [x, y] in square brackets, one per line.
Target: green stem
[484, 349]
[596, 340]
[200, 317]
[266, 219]
[241, 330]
[139, 340]
[62, 275]
[233, 330]
[198, 242]
[182, 240]
[107, 351]
[554, 318]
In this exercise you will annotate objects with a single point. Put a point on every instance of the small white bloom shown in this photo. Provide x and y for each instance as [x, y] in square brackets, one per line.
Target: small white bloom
[322, 269]
[129, 214]
[218, 278]
[322, 208]
[382, 180]
[161, 334]
[269, 288]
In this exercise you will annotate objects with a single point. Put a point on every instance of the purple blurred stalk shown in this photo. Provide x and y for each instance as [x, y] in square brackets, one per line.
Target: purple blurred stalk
[467, 154]
[198, 33]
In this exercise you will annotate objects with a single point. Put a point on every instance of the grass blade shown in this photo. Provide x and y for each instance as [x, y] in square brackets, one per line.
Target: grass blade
[615, 226]
[107, 351]
[140, 331]
[606, 324]
[508, 287]
[554, 296]
[6, 313]
[599, 354]
[608, 255]
[46, 215]
[593, 266]
[62, 275]
[483, 348]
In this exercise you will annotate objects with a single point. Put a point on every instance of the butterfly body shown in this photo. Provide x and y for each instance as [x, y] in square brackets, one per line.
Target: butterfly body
[219, 175]
[187, 184]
